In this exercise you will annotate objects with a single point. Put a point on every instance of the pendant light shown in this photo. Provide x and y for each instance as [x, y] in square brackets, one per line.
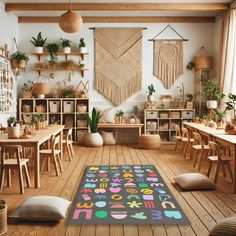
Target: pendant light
[70, 22]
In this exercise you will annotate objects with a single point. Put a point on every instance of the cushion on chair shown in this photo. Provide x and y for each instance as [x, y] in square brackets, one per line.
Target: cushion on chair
[224, 228]
[42, 208]
[108, 138]
[194, 181]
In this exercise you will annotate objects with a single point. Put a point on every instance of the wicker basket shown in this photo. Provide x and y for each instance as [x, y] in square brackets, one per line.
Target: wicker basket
[203, 60]
[149, 142]
[41, 86]
[3, 217]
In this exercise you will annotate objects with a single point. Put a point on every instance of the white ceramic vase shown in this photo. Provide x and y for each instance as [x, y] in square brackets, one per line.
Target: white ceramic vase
[212, 104]
[67, 50]
[83, 49]
[13, 132]
[151, 98]
[93, 140]
[38, 49]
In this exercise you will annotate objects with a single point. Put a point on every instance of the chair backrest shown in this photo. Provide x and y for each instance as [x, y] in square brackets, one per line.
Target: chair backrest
[214, 147]
[55, 143]
[197, 139]
[69, 135]
[177, 131]
[185, 133]
[14, 151]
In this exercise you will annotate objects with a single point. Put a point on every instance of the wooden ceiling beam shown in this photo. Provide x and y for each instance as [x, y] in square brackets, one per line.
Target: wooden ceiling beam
[117, 6]
[152, 19]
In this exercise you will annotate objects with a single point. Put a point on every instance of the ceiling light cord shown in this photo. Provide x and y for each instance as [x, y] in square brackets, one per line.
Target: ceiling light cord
[70, 5]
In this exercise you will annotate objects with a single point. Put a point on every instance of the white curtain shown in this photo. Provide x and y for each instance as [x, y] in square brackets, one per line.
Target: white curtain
[229, 77]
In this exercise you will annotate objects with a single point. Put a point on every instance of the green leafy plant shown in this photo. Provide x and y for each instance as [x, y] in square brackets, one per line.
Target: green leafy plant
[20, 56]
[189, 97]
[82, 44]
[37, 118]
[11, 121]
[219, 115]
[119, 113]
[212, 91]
[65, 43]
[52, 49]
[38, 41]
[231, 105]
[135, 109]
[93, 120]
[65, 93]
[190, 65]
[151, 89]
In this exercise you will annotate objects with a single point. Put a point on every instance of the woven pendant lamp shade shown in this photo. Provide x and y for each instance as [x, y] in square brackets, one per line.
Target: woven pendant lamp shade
[70, 22]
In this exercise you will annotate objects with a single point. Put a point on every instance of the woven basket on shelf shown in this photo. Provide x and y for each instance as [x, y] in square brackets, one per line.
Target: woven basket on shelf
[3, 217]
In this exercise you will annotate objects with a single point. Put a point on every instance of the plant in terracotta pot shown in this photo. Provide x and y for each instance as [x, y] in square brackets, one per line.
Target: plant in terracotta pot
[119, 117]
[219, 117]
[13, 129]
[19, 60]
[151, 91]
[38, 42]
[52, 49]
[82, 46]
[66, 44]
[212, 93]
[93, 138]
[231, 106]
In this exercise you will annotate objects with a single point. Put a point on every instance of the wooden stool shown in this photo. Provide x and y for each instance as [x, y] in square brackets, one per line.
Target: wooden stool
[186, 140]
[149, 141]
[198, 145]
[53, 153]
[68, 141]
[219, 160]
[178, 136]
[15, 161]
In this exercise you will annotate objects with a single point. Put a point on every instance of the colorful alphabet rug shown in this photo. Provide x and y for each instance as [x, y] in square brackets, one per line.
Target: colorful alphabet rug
[125, 195]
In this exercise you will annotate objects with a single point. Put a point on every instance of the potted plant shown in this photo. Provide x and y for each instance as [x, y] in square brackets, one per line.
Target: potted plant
[135, 111]
[231, 106]
[151, 91]
[13, 129]
[119, 117]
[38, 42]
[212, 93]
[19, 60]
[37, 120]
[93, 138]
[82, 46]
[26, 90]
[52, 49]
[81, 65]
[66, 44]
[219, 117]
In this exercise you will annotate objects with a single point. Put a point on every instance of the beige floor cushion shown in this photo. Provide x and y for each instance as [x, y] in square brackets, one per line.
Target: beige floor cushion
[42, 208]
[194, 181]
[108, 138]
[225, 228]
[149, 142]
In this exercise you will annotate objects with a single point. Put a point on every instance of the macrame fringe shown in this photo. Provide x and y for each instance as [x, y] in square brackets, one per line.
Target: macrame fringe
[117, 94]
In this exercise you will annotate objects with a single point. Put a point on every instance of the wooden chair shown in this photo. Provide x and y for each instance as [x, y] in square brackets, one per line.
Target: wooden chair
[178, 136]
[12, 158]
[219, 160]
[186, 140]
[199, 146]
[68, 141]
[54, 153]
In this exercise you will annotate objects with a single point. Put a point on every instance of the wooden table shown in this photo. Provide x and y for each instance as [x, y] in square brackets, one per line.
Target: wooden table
[40, 137]
[218, 136]
[122, 126]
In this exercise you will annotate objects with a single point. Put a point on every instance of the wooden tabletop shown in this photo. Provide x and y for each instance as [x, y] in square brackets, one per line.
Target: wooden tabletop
[109, 125]
[39, 137]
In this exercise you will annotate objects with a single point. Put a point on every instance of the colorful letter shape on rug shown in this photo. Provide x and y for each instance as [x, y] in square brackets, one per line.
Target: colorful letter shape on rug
[125, 195]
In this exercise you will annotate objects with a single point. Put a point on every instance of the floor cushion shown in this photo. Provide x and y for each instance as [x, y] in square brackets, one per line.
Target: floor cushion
[42, 208]
[108, 138]
[224, 228]
[194, 181]
[149, 142]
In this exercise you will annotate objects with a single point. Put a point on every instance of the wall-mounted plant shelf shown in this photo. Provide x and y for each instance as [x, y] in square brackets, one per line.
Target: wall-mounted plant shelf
[60, 69]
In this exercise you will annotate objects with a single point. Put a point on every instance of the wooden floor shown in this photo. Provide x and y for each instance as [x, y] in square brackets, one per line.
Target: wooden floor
[203, 208]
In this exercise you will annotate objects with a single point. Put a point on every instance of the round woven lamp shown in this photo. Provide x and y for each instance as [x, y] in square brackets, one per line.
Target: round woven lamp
[70, 22]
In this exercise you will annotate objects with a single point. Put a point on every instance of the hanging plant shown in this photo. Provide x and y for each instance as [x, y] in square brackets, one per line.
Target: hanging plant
[19, 60]
[52, 49]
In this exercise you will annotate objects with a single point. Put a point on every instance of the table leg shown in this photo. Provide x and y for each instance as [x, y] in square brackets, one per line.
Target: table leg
[234, 169]
[140, 131]
[61, 143]
[37, 167]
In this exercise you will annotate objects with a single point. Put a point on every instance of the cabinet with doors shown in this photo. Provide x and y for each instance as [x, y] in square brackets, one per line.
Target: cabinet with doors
[164, 121]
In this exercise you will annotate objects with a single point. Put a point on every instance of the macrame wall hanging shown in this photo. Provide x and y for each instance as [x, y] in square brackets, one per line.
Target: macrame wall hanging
[118, 62]
[168, 58]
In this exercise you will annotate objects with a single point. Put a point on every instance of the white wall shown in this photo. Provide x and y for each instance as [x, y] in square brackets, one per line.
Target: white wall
[9, 30]
[198, 35]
